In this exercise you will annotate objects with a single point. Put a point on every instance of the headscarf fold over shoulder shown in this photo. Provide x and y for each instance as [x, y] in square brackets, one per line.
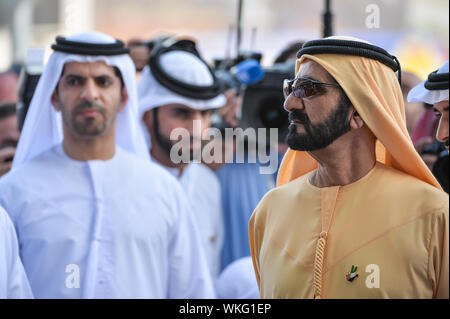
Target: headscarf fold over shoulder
[374, 91]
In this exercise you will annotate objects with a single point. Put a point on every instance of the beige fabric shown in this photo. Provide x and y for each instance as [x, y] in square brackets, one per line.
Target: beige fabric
[388, 219]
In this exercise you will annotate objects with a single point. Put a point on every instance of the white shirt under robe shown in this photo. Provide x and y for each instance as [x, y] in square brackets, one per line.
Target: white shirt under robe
[202, 187]
[203, 190]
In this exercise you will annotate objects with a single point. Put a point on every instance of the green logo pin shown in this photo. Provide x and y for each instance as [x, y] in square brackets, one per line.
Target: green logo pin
[352, 274]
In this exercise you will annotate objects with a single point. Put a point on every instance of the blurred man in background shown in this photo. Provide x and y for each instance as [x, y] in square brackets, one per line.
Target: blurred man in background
[413, 110]
[434, 91]
[421, 122]
[9, 131]
[9, 87]
[178, 91]
[139, 53]
[9, 136]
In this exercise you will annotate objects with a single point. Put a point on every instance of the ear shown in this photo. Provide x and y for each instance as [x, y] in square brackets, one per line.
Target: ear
[356, 122]
[148, 119]
[55, 100]
[124, 99]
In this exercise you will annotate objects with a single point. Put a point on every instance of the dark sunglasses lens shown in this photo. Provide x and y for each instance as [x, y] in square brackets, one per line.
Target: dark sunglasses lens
[304, 89]
[300, 88]
[310, 89]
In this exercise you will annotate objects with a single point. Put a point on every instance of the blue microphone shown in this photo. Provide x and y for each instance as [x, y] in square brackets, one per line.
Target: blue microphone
[248, 72]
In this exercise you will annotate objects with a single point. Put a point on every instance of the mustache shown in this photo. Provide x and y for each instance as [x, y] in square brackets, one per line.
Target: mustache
[191, 139]
[298, 116]
[88, 105]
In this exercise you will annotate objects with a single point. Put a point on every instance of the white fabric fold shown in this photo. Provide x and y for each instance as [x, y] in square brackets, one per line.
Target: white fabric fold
[420, 94]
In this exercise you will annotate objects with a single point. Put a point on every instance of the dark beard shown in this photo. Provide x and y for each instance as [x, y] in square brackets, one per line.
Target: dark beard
[318, 136]
[87, 127]
[166, 144]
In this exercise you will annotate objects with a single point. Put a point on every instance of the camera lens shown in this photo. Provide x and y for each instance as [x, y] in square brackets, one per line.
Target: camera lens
[272, 114]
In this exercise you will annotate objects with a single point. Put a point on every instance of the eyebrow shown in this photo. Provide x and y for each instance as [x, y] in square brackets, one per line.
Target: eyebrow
[445, 109]
[9, 142]
[306, 77]
[81, 77]
[183, 109]
[76, 76]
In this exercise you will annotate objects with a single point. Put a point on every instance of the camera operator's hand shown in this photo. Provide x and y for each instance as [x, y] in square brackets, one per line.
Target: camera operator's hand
[5, 159]
[228, 112]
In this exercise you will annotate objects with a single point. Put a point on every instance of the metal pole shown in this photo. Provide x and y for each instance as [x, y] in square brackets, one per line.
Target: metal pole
[239, 29]
[327, 20]
[22, 29]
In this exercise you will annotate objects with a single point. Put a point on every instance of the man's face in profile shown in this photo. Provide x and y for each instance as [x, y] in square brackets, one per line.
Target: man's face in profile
[441, 110]
[9, 137]
[316, 121]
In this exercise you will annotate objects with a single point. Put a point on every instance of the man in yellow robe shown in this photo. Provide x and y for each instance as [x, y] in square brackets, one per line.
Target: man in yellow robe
[357, 213]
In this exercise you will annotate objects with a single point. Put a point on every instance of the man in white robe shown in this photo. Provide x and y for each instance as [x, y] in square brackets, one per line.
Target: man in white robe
[13, 280]
[94, 218]
[170, 103]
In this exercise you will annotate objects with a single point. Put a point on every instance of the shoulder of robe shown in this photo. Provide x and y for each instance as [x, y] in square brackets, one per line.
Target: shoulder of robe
[207, 173]
[29, 172]
[207, 178]
[275, 198]
[413, 192]
[148, 170]
[156, 179]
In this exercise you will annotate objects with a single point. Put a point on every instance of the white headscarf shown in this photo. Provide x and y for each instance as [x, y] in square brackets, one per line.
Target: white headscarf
[420, 94]
[43, 124]
[185, 67]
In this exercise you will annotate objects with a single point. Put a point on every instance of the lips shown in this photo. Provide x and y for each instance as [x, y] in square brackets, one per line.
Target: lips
[195, 144]
[88, 112]
[296, 117]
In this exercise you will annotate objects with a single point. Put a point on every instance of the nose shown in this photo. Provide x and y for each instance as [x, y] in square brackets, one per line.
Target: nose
[292, 102]
[197, 116]
[442, 131]
[194, 124]
[90, 91]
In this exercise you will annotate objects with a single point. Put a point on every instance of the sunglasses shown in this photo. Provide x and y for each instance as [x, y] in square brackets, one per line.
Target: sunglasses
[304, 87]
